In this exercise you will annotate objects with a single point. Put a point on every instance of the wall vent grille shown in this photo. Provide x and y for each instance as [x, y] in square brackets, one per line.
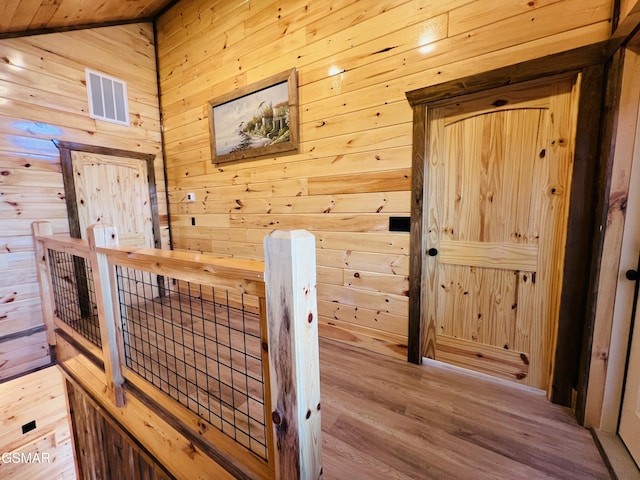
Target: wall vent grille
[107, 98]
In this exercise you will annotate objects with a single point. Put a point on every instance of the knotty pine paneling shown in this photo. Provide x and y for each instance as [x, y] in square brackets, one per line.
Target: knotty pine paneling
[18, 16]
[352, 171]
[40, 398]
[42, 97]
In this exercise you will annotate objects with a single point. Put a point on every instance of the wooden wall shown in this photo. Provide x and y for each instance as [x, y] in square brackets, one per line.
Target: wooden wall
[352, 172]
[43, 96]
[162, 435]
[103, 448]
[40, 398]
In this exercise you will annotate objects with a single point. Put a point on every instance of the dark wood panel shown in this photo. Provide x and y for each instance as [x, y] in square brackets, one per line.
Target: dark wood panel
[580, 233]
[602, 180]
[103, 448]
[417, 236]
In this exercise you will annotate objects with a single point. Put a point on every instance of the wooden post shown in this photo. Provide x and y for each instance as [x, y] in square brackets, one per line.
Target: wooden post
[294, 367]
[108, 313]
[44, 279]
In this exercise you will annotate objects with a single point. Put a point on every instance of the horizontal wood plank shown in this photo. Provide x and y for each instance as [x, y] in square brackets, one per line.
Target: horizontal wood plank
[40, 398]
[509, 256]
[494, 361]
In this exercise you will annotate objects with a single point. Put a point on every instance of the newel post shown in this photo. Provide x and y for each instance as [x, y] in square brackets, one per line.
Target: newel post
[44, 279]
[294, 368]
[108, 314]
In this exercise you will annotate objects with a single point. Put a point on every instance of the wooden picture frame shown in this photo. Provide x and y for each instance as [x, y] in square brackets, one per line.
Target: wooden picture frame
[257, 120]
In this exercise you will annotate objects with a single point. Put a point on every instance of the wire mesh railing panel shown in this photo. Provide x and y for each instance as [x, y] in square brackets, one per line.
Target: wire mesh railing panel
[74, 294]
[199, 345]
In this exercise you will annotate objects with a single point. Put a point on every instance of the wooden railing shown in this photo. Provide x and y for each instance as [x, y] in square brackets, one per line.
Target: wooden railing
[228, 342]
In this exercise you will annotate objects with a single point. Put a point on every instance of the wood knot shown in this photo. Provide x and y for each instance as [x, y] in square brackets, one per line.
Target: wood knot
[190, 450]
[276, 418]
[618, 202]
[310, 317]
[308, 416]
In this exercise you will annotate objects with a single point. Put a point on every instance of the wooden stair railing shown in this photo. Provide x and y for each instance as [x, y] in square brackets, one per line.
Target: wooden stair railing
[285, 288]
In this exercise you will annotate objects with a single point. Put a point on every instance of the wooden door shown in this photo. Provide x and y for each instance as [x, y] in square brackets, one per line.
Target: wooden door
[111, 186]
[497, 192]
[629, 430]
[114, 190]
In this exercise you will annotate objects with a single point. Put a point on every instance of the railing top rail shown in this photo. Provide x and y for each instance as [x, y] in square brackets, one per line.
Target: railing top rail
[244, 275]
[63, 243]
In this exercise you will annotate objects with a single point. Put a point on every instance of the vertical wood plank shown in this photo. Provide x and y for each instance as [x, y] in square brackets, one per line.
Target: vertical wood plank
[581, 236]
[108, 313]
[44, 279]
[294, 369]
[66, 163]
[418, 331]
[553, 227]
[264, 353]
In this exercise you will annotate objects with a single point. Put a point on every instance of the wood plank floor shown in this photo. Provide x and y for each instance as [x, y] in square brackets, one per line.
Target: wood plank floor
[387, 419]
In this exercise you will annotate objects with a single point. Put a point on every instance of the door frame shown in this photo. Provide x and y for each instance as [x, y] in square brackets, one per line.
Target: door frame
[613, 326]
[588, 180]
[66, 160]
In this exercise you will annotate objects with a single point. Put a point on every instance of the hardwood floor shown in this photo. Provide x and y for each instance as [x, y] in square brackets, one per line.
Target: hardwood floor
[387, 419]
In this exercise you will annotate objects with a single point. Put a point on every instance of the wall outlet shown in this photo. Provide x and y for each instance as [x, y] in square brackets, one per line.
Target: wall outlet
[191, 197]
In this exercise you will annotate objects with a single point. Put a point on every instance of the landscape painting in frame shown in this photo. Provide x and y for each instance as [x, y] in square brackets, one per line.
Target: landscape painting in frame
[260, 119]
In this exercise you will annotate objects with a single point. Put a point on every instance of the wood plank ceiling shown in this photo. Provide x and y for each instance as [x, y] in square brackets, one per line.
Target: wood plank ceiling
[25, 17]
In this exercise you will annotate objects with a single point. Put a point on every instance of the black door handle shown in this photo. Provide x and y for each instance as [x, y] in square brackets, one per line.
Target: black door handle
[432, 252]
[631, 275]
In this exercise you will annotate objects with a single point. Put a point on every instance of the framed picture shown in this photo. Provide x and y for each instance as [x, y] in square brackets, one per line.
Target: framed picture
[260, 119]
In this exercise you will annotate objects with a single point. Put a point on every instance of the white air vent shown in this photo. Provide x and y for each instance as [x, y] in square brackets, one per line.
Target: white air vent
[107, 98]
